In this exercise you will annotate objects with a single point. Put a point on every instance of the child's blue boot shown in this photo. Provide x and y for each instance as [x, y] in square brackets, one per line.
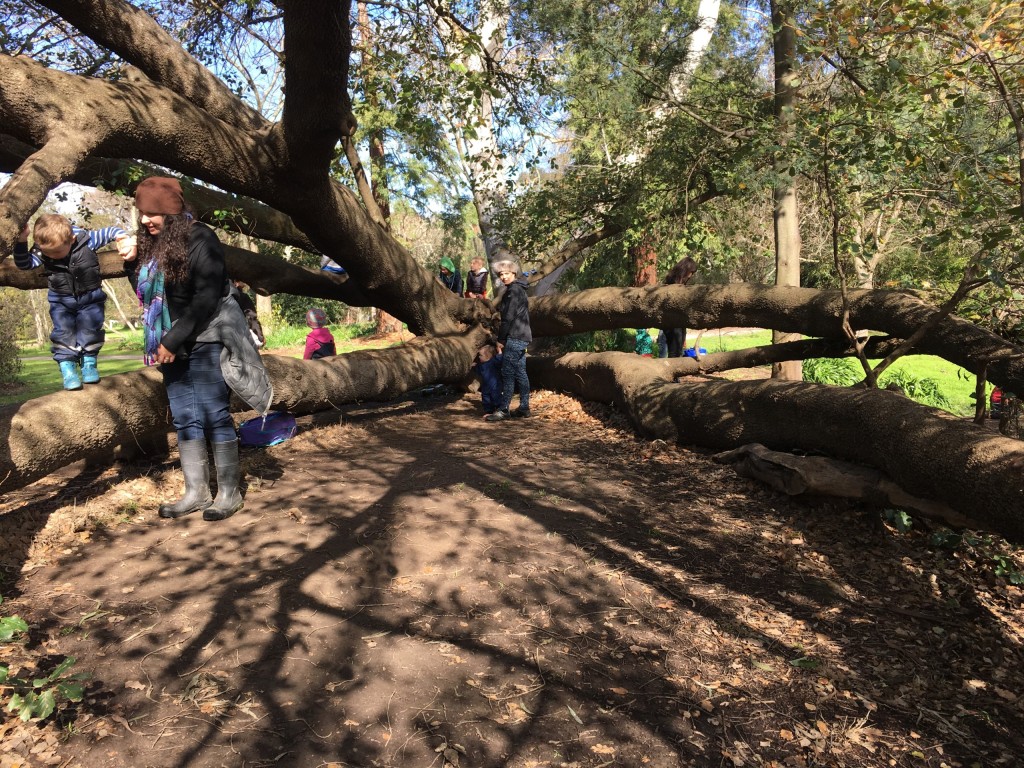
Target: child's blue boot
[90, 373]
[69, 372]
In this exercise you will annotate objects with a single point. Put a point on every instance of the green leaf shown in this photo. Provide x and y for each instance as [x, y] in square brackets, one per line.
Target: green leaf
[16, 704]
[4, 672]
[46, 704]
[11, 626]
[71, 691]
[61, 668]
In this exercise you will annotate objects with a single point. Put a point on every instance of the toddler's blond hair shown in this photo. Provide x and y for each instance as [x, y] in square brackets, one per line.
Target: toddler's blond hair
[52, 231]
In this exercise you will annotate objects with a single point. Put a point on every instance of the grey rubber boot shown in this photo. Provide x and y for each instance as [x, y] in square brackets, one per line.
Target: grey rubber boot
[195, 465]
[229, 474]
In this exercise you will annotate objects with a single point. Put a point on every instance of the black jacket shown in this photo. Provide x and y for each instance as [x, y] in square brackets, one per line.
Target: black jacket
[78, 274]
[193, 301]
[515, 313]
[476, 282]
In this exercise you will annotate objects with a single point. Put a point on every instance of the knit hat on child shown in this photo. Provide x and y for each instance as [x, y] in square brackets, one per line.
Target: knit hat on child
[316, 318]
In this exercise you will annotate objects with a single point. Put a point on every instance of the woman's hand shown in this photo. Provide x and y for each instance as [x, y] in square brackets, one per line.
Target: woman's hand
[126, 247]
[163, 355]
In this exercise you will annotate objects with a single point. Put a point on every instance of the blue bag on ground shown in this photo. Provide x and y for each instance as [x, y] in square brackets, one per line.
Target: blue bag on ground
[274, 428]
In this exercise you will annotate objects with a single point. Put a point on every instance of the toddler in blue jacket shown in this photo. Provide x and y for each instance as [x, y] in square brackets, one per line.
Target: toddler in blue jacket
[488, 369]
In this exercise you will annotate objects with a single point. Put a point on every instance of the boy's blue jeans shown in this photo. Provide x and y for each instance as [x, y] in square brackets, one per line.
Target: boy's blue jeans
[199, 396]
[77, 324]
[513, 371]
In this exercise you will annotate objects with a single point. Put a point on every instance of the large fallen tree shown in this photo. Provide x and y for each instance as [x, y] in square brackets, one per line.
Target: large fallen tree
[169, 111]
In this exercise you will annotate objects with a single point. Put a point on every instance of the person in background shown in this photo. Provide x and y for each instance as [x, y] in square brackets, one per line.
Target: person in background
[514, 336]
[68, 257]
[644, 344]
[681, 274]
[195, 331]
[476, 279]
[450, 277]
[319, 341]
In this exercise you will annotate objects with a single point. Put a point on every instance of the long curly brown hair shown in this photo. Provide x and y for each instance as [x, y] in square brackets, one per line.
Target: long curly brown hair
[169, 248]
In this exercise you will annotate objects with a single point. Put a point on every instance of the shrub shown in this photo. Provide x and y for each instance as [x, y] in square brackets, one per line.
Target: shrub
[13, 307]
[923, 390]
[837, 371]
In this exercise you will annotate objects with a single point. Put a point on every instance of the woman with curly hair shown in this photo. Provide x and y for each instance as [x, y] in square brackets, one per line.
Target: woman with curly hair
[195, 331]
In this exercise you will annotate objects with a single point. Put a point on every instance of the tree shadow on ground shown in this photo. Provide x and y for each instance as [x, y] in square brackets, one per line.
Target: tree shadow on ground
[413, 587]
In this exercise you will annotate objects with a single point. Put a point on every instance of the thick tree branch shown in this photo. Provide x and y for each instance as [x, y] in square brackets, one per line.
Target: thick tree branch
[792, 310]
[127, 120]
[138, 39]
[221, 209]
[33, 179]
[267, 274]
[317, 110]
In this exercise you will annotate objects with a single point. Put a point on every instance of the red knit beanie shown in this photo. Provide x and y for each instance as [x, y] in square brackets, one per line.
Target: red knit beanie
[160, 195]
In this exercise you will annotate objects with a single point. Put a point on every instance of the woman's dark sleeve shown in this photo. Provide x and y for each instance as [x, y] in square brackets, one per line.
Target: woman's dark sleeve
[207, 274]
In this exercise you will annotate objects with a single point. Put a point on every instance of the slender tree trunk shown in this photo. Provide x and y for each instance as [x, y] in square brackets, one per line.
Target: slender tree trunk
[265, 312]
[645, 263]
[786, 213]
[39, 317]
[112, 295]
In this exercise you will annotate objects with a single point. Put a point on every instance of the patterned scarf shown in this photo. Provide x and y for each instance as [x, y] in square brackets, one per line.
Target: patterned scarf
[156, 319]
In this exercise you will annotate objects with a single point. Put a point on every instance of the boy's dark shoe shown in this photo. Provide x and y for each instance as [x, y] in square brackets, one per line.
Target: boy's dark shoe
[497, 416]
[521, 413]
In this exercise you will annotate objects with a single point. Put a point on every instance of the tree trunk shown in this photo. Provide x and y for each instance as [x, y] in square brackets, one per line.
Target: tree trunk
[786, 213]
[47, 433]
[645, 263]
[816, 313]
[265, 312]
[40, 318]
[387, 324]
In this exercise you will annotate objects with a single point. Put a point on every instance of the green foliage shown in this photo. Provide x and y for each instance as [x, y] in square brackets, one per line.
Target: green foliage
[620, 340]
[920, 389]
[37, 698]
[837, 371]
[13, 307]
[899, 519]
[10, 626]
[844, 372]
[983, 550]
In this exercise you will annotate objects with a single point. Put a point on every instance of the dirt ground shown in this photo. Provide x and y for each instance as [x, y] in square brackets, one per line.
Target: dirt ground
[409, 586]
